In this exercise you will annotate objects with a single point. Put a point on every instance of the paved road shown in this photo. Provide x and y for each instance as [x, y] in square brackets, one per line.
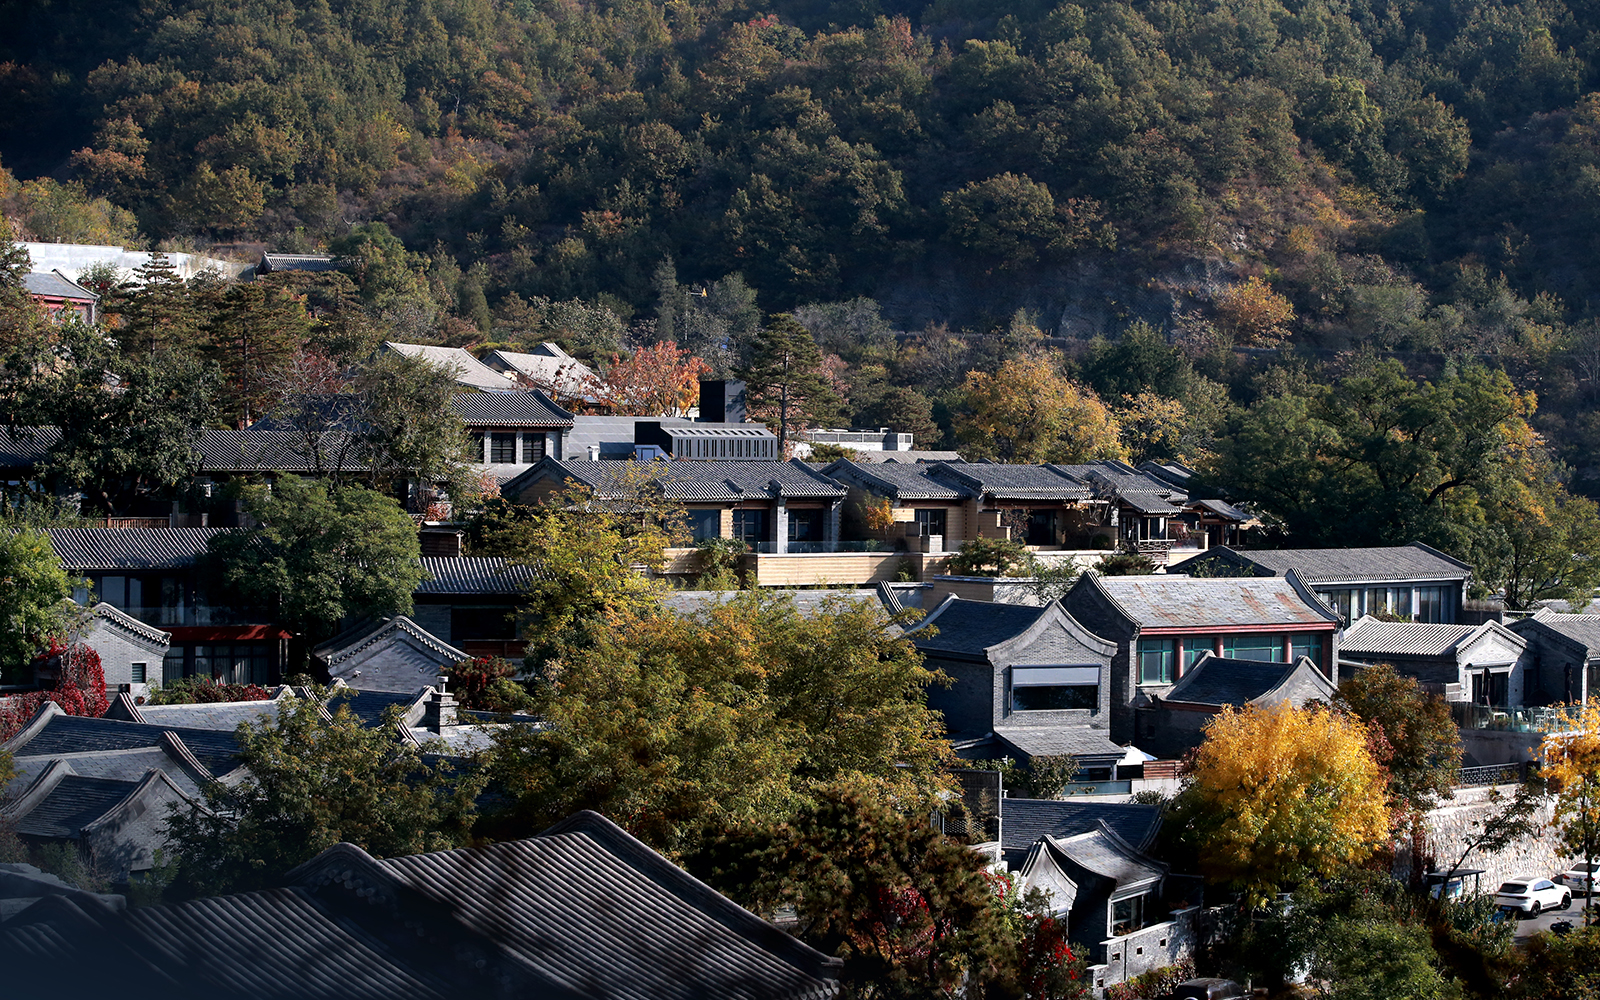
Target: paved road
[1529, 926]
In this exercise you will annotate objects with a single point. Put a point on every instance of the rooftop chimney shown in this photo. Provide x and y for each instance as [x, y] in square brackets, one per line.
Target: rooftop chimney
[439, 713]
[722, 401]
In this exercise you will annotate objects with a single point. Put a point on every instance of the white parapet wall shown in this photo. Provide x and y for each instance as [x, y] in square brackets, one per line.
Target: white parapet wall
[72, 259]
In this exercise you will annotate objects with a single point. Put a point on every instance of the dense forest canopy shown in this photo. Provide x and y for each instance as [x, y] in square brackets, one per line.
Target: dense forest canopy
[1419, 177]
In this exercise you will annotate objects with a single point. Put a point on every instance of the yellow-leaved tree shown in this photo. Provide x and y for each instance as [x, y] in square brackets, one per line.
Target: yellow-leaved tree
[1283, 794]
[1029, 411]
[1572, 774]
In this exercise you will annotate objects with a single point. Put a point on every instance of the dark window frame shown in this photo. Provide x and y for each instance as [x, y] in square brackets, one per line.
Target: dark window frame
[503, 448]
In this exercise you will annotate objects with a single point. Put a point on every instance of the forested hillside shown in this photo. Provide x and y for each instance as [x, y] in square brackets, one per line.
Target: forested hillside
[1420, 177]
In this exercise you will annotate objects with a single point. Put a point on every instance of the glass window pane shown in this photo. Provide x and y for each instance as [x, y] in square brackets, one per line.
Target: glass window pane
[1253, 647]
[1046, 698]
[1308, 646]
[1195, 647]
[704, 524]
[805, 525]
[750, 525]
[503, 449]
[532, 448]
[1127, 915]
[931, 520]
[1156, 658]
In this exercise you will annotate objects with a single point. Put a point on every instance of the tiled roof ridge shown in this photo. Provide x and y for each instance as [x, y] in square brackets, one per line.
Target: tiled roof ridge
[152, 777]
[117, 618]
[1309, 596]
[173, 744]
[395, 624]
[37, 790]
[41, 718]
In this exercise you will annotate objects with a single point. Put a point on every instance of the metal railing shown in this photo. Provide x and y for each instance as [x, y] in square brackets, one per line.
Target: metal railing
[1536, 719]
[1493, 774]
[817, 547]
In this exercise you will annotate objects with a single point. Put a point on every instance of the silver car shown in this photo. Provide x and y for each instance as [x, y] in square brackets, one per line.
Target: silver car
[1530, 896]
[1580, 877]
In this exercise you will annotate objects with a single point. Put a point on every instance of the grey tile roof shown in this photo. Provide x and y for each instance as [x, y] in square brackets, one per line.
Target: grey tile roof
[116, 765]
[73, 804]
[369, 706]
[532, 894]
[84, 549]
[55, 285]
[1368, 636]
[1152, 504]
[399, 632]
[1055, 741]
[725, 482]
[1015, 482]
[554, 370]
[287, 943]
[1102, 852]
[582, 911]
[116, 619]
[1223, 508]
[468, 370]
[271, 262]
[1172, 473]
[1120, 478]
[902, 482]
[967, 628]
[266, 449]
[26, 446]
[906, 457]
[1388, 563]
[1220, 680]
[456, 575]
[64, 735]
[1581, 629]
[1023, 821]
[1169, 601]
[217, 716]
[510, 408]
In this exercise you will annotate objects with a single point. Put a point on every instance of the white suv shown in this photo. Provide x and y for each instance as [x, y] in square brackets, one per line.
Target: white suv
[1531, 895]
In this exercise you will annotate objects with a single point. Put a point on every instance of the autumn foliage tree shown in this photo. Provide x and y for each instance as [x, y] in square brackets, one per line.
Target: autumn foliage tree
[1412, 735]
[1284, 794]
[1571, 771]
[662, 379]
[315, 781]
[1029, 411]
[680, 726]
[1255, 314]
[74, 680]
[911, 912]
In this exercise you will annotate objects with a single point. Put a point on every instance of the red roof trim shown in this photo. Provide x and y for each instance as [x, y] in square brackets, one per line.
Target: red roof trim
[228, 633]
[1239, 629]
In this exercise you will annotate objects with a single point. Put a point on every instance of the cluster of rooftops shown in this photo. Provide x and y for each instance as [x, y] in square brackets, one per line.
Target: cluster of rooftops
[1117, 673]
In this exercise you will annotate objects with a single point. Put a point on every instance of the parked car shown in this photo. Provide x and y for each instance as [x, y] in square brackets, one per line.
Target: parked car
[1580, 877]
[1531, 895]
[1208, 989]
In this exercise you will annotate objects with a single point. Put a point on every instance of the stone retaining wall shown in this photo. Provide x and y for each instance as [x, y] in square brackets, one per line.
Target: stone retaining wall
[1454, 821]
